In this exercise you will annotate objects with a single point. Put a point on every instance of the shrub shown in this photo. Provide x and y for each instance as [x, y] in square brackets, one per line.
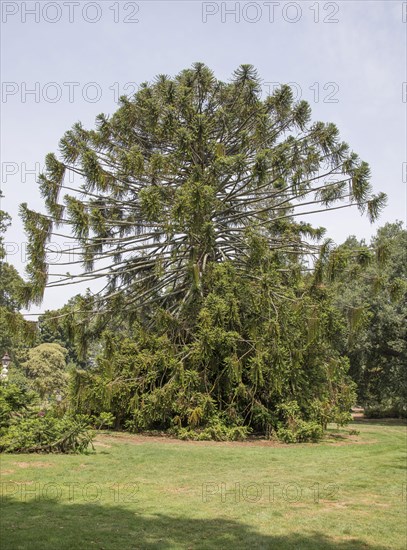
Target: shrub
[301, 433]
[103, 420]
[217, 432]
[286, 435]
[14, 401]
[47, 434]
[389, 409]
[309, 431]
[294, 429]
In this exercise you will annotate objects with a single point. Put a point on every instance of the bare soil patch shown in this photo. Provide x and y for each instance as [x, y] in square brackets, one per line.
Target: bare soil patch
[98, 443]
[140, 439]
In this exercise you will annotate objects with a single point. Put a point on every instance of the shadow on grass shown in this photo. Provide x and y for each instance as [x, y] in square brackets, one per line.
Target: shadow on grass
[47, 524]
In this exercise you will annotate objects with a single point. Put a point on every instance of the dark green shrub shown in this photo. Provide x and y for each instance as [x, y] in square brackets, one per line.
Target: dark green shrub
[14, 401]
[47, 434]
[397, 409]
[217, 432]
[302, 432]
[286, 435]
[308, 431]
[294, 429]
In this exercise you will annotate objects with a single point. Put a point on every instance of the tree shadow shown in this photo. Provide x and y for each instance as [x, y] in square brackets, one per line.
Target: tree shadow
[51, 525]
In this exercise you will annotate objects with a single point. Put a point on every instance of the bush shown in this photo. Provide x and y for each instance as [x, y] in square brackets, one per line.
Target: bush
[103, 420]
[14, 401]
[294, 429]
[386, 410]
[26, 429]
[301, 432]
[309, 431]
[47, 434]
[286, 435]
[217, 432]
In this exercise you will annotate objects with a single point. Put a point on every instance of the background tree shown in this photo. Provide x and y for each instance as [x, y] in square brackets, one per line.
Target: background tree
[46, 368]
[58, 326]
[15, 332]
[371, 290]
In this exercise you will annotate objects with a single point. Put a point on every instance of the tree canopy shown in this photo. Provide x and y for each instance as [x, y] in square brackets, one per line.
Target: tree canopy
[15, 331]
[46, 368]
[371, 290]
[187, 172]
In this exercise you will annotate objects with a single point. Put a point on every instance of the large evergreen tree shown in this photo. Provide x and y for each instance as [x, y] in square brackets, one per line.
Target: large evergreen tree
[188, 206]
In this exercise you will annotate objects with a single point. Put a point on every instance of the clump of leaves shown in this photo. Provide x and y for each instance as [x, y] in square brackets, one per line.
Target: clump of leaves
[216, 432]
[24, 428]
[293, 429]
[104, 420]
[48, 434]
[15, 401]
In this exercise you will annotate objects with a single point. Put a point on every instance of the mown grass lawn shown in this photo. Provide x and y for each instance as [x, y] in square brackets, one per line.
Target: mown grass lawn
[348, 492]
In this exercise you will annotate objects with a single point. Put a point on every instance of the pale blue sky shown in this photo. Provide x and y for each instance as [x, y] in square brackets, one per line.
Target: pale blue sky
[351, 71]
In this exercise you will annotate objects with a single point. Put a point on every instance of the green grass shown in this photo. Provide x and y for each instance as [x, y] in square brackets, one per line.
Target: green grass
[344, 493]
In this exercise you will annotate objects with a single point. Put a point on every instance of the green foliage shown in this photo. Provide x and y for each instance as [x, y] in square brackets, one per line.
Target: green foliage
[25, 428]
[53, 328]
[293, 429]
[104, 420]
[14, 401]
[234, 367]
[303, 432]
[373, 295]
[5, 221]
[391, 408]
[191, 171]
[15, 331]
[47, 434]
[46, 368]
[215, 432]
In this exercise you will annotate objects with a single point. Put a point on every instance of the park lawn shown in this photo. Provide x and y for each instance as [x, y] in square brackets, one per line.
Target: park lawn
[348, 492]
